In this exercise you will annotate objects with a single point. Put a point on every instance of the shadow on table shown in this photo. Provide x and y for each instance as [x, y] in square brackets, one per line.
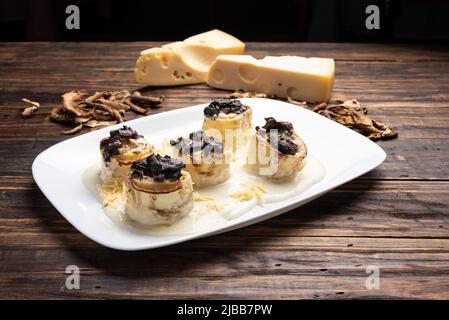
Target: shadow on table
[207, 256]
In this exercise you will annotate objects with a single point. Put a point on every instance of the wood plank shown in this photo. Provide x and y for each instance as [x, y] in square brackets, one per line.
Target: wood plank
[405, 209]
[257, 268]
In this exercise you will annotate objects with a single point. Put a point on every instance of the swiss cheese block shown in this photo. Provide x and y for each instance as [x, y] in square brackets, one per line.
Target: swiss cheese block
[309, 79]
[185, 62]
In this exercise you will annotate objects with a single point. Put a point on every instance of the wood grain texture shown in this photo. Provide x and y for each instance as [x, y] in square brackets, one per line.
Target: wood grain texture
[395, 217]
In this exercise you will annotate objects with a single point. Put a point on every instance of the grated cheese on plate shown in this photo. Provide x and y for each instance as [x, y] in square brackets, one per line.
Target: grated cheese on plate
[199, 197]
[111, 190]
[251, 191]
[210, 203]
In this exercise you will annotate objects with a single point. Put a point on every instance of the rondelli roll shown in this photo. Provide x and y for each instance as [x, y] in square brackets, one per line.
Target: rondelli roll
[160, 192]
[120, 149]
[275, 150]
[204, 157]
[229, 121]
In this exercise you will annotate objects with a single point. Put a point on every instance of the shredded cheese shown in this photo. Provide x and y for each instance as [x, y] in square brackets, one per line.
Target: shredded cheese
[251, 191]
[111, 190]
[200, 197]
[210, 203]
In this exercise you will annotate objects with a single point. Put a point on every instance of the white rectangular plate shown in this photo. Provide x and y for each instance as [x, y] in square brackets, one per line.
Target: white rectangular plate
[58, 171]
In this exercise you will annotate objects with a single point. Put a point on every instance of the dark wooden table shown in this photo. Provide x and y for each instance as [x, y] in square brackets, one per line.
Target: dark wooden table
[395, 217]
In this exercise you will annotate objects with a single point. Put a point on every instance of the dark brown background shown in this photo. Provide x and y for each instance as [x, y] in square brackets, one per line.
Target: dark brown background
[412, 21]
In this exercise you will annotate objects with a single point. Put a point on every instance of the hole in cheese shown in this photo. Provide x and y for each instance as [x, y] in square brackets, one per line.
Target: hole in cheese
[247, 73]
[176, 74]
[188, 74]
[218, 75]
[164, 61]
[292, 92]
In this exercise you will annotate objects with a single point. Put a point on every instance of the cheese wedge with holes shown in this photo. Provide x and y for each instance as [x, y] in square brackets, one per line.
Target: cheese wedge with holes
[185, 62]
[309, 79]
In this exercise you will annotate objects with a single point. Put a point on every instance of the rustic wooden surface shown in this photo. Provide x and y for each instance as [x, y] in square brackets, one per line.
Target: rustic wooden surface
[395, 217]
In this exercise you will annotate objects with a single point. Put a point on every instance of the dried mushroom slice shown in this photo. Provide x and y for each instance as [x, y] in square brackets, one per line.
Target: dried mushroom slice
[32, 107]
[103, 108]
[351, 114]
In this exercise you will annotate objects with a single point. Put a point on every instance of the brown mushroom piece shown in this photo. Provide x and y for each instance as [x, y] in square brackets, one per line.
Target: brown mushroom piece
[352, 115]
[149, 101]
[103, 108]
[72, 99]
[32, 107]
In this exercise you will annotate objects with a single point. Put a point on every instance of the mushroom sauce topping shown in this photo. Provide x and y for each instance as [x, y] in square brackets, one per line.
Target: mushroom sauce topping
[226, 106]
[157, 167]
[281, 137]
[117, 138]
[197, 141]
